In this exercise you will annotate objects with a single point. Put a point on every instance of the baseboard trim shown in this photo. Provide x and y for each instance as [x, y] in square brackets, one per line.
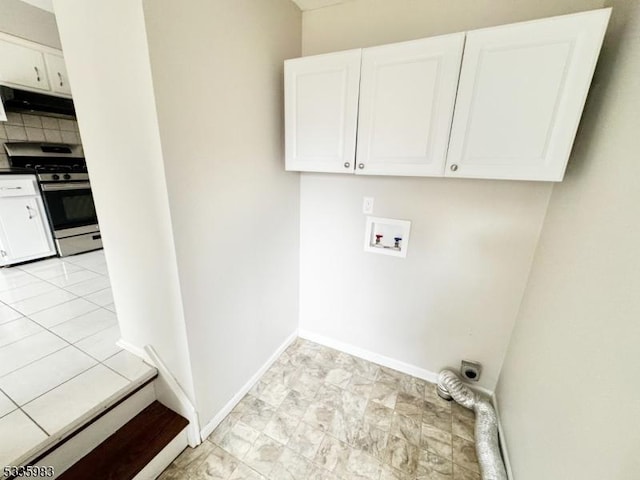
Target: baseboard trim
[168, 390]
[131, 348]
[370, 356]
[503, 442]
[213, 423]
[385, 361]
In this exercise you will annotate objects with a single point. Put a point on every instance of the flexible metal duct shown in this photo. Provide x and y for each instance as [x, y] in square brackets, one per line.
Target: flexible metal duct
[487, 446]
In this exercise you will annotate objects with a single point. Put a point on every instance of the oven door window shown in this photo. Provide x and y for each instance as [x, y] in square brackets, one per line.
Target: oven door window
[70, 208]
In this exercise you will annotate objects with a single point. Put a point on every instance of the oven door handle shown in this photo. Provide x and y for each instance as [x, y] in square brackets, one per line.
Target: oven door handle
[52, 187]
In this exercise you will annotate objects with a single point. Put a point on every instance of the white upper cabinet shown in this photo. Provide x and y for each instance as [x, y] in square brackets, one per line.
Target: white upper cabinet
[321, 109]
[520, 97]
[22, 66]
[500, 103]
[407, 95]
[57, 73]
[30, 66]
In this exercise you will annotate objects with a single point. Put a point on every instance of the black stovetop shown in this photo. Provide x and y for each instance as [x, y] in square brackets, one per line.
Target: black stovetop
[46, 157]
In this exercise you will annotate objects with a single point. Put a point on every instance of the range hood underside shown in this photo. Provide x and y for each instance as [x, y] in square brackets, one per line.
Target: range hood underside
[15, 100]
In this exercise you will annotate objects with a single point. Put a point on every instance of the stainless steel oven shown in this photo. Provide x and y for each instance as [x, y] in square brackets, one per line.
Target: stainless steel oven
[66, 191]
[72, 214]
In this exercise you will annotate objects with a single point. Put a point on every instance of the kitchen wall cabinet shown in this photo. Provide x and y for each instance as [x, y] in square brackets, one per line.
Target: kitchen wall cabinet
[22, 66]
[321, 111]
[515, 94]
[31, 66]
[57, 71]
[24, 228]
[521, 94]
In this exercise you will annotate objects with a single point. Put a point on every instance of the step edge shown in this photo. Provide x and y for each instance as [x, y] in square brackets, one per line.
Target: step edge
[81, 444]
[164, 412]
[60, 437]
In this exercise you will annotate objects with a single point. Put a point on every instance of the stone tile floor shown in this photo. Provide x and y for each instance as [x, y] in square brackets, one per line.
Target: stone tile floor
[319, 414]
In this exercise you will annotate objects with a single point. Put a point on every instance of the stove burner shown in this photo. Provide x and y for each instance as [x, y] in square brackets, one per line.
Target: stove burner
[45, 158]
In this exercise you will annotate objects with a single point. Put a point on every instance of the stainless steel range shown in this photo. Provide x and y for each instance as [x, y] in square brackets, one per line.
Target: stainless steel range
[62, 174]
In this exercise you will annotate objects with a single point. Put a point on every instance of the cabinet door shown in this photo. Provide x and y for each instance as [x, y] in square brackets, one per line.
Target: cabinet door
[321, 108]
[22, 66]
[407, 94]
[57, 73]
[24, 230]
[521, 94]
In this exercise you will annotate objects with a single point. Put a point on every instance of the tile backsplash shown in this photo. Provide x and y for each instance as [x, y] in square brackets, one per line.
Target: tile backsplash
[21, 127]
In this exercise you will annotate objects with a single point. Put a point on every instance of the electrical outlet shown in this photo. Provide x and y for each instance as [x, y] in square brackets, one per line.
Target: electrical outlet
[367, 205]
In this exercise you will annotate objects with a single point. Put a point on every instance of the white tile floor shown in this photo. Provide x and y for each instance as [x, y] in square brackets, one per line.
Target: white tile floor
[58, 359]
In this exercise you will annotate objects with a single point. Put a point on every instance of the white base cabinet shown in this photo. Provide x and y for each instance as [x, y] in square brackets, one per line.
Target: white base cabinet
[24, 228]
[497, 103]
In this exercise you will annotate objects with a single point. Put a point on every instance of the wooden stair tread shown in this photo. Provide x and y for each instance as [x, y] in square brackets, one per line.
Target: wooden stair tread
[125, 453]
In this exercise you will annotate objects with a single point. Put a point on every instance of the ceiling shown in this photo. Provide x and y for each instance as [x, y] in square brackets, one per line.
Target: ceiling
[43, 4]
[313, 4]
[303, 4]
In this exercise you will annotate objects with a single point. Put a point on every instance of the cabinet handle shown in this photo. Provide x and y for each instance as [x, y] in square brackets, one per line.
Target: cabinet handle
[29, 209]
[347, 164]
[10, 188]
[454, 167]
[37, 73]
[3, 253]
[60, 77]
[361, 166]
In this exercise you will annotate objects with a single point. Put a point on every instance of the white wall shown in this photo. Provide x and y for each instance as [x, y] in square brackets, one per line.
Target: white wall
[108, 64]
[26, 21]
[200, 221]
[457, 293]
[568, 394]
[217, 70]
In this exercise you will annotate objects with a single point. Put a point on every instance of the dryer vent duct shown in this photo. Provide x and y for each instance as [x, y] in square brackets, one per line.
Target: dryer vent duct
[486, 429]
